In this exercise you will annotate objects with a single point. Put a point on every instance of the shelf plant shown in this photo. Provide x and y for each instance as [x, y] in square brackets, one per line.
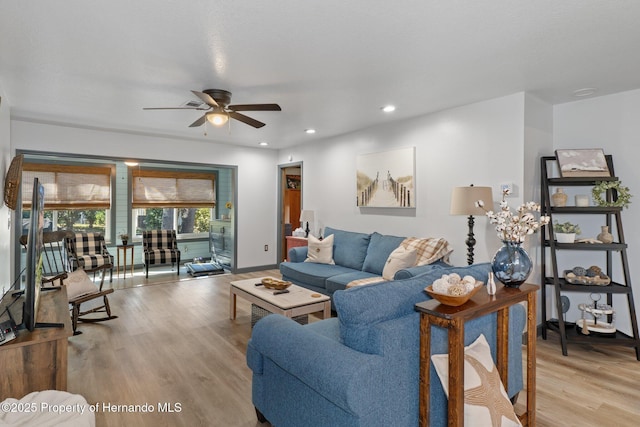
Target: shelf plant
[566, 231]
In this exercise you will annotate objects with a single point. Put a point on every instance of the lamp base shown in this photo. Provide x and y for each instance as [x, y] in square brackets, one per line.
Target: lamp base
[471, 241]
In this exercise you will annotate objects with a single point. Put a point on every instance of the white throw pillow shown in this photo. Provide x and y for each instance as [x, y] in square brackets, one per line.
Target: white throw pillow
[486, 402]
[400, 258]
[320, 251]
[78, 283]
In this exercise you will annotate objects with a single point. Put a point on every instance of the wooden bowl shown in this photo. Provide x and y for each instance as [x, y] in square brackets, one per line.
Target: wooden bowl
[453, 300]
[279, 285]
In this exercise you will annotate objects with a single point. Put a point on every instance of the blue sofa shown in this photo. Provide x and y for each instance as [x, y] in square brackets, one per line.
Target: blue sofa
[362, 368]
[356, 255]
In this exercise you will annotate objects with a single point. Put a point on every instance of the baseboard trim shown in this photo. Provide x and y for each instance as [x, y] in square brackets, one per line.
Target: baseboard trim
[256, 268]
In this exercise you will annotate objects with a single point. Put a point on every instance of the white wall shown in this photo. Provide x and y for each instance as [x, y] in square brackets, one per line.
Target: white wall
[257, 172]
[6, 154]
[609, 122]
[480, 144]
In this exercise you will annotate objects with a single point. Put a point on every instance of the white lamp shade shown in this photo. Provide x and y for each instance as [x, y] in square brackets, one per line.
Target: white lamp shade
[217, 119]
[463, 200]
[307, 216]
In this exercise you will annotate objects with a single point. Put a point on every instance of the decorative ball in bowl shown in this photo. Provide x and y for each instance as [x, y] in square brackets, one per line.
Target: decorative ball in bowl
[271, 283]
[452, 300]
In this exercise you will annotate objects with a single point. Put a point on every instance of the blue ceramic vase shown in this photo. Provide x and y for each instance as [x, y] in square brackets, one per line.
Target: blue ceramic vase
[511, 265]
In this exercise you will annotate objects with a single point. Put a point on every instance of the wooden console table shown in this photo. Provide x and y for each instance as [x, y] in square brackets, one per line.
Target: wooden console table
[37, 360]
[453, 319]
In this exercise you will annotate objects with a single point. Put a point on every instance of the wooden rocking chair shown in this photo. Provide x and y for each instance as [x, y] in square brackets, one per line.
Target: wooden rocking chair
[80, 288]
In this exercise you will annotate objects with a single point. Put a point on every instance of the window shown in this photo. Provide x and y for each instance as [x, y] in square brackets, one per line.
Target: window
[182, 201]
[77, 198]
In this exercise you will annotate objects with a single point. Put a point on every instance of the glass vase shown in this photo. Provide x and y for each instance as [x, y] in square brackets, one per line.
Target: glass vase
[511, 264]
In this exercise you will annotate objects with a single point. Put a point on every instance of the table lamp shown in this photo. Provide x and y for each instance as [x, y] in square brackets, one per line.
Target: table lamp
[306, 216]
[463, 202]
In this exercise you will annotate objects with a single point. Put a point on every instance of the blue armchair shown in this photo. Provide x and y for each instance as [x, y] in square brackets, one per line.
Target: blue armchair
[362, 368]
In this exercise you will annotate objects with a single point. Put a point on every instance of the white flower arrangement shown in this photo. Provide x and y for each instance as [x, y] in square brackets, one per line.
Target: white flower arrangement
[515, 226]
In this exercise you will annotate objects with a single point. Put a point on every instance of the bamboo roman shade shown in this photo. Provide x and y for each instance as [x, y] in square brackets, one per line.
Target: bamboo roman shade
[67, 186]
[172, 189]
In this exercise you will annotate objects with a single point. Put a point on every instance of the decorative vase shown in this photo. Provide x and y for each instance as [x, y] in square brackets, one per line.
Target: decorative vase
[124, 242]
[605, 236]
[565, 237]
[559, 197]
[511, 264]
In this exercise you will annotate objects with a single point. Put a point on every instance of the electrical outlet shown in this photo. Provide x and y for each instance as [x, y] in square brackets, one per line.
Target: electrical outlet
[266, 248]
[185, 249]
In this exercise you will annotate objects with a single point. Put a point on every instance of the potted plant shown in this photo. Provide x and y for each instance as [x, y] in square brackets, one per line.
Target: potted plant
[566, 232]
[125, 238]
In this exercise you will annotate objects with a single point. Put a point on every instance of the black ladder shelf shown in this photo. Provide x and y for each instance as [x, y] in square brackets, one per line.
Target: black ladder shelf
[549, 249]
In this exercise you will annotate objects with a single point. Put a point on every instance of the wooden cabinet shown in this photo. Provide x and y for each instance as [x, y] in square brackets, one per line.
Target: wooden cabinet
[553, 267]
[37, 360]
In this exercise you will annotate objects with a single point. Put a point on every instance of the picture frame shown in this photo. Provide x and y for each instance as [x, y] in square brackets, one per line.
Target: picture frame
[386, 179]
[293, 182]
[582, 162]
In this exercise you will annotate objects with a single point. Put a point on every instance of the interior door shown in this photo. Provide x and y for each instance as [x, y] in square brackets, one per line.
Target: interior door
[291, 203]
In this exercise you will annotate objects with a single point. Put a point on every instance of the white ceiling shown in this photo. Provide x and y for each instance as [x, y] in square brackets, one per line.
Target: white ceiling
[330, 64]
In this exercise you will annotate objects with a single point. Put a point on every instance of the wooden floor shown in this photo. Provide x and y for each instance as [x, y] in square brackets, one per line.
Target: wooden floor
[174, 347]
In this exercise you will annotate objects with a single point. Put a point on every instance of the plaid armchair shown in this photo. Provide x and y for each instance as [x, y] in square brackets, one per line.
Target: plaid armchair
[160, 247]
[88, 251]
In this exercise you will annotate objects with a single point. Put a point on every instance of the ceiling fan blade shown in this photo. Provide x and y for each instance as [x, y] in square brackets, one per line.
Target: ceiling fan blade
[198, 122]
[246, 119]
[175, 108]
[255, 107]
[206, 98]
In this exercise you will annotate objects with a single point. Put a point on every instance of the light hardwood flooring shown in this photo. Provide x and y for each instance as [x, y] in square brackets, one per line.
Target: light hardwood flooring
[173, 344]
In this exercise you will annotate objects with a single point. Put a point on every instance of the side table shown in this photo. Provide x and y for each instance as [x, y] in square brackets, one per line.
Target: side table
[124, 249]
[294, 242]
[453, 319]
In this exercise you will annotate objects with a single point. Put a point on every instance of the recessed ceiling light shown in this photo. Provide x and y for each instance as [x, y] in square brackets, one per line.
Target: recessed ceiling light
[263, 143]
[131, 163]
[309, 131]
[388, 108]
[584, 91]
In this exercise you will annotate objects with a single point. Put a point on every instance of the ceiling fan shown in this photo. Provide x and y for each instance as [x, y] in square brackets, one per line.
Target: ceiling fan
[217, 100]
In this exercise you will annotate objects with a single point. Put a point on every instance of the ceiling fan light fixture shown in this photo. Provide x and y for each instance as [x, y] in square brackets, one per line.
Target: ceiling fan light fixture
[217, 118]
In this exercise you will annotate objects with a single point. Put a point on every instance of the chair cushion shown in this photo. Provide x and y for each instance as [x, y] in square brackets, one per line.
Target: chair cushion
[159, 239]
[350, 248]
[93, 261]
[88, 243]
[78, 284]
[161, 256]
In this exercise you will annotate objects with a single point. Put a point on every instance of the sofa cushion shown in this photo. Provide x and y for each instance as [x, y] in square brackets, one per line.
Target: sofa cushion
[311, 274]
[349, 248]
[360, 307]
[380, 247]
[320, 251]
[340, 281]
[400, 258]
[485, 400]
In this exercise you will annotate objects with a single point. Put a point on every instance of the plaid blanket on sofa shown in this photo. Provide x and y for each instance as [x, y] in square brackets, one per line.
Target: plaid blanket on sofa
[428, 251]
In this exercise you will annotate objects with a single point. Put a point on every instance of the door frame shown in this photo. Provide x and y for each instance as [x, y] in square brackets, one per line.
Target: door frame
[281, 186]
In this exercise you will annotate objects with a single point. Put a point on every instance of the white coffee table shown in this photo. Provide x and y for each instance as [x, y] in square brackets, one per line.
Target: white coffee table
[297, 302]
